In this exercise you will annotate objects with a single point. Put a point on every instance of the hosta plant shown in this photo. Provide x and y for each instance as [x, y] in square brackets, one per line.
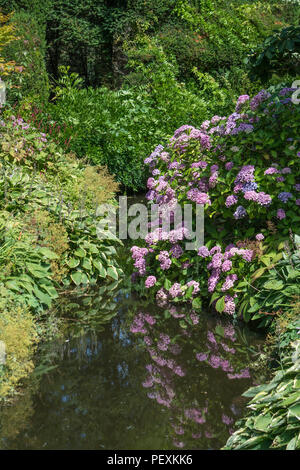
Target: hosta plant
[273, 421]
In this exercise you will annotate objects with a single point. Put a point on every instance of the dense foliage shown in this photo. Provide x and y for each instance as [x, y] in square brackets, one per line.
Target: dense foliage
[28, 50]
[273, 419]
[279, 54]
[159, 64]
[114, 127]
[48, 230]
[91, 35]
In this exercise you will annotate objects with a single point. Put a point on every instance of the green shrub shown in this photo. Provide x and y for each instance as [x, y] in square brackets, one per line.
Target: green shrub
[273, 285]
[48, 237]
[273, 421]
[213, 35]
[50, 201]
[116, 128]
[279, 54]
[18, 333]
[28, 51]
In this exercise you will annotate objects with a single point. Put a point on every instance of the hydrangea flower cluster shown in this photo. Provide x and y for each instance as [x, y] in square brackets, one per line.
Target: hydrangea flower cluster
[221, 263]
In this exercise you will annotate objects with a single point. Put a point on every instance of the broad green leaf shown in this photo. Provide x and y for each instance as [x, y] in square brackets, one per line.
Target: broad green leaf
[77, 278]
[273, 285]
[220, 305]
[73, 263]
[112, 272]
[294, 411]
[292, 444]
[36, 270]
[80, 252]
[12, 285]
[44, 298]
[197, 303]
[48, 253]
[86, 264]
[262, 422]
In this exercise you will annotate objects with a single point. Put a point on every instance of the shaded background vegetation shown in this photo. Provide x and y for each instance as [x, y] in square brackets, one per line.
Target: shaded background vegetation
[124, 74]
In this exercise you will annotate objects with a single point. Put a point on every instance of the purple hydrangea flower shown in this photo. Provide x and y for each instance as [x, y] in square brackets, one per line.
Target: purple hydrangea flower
[241, 100]
[164, 260]
[201, 357]
[229, 282]
[217, 260]
[226, 266]
[195, 285]
[240, 212]
[258, 99]
[281, 214]
[271, 171]
[203, 252]
[247, 255]
[231, 200]
[213, 280]
[245, 175]
[175, 290]
[198, 197]
[173, 166]
[284, 196]
[229, 305]
[176, 251]
[250, 186]
[162, 297]
[214, 168]
[264, 199]
[259, 237]
[229, 165]
[150, 281]
[251, 195]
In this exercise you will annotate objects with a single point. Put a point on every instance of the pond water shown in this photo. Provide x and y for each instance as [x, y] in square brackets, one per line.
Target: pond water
[103, 385]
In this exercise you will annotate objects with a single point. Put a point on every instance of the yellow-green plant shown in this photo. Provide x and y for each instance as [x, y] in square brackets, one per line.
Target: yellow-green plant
[18, 334]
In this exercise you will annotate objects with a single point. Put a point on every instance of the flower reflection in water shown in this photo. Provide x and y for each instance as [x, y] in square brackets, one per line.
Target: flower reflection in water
[194, 367]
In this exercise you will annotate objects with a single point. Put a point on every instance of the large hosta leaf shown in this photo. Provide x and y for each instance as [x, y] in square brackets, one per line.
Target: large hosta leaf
[48, 253]
[112, 272]
[73, 263]
[262, 422]
[77, 278]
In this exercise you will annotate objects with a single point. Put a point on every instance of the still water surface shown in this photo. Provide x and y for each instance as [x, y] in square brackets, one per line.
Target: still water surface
[106, 387]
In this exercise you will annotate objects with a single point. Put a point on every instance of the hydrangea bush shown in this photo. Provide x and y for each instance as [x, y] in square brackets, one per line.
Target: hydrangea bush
[244, 170]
